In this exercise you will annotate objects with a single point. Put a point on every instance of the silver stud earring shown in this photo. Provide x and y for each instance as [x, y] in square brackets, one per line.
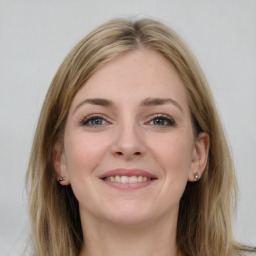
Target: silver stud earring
[197, 175]
[61, 179]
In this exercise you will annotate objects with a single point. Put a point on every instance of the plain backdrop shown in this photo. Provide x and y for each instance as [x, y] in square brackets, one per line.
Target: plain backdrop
[35, 36]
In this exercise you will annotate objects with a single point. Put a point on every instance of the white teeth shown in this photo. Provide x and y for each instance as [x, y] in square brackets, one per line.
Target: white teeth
[133, 179]
[124, 179]
[140, 179]
[127, 179]
[117, 179]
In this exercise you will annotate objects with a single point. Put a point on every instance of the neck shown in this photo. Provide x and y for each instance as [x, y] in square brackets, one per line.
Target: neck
[110, 239]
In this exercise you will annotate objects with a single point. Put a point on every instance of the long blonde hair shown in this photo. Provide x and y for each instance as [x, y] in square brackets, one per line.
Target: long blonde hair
[204, 222]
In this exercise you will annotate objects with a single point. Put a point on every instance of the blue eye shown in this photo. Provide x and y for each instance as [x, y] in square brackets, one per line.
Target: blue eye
[162, 121]
[94, 121]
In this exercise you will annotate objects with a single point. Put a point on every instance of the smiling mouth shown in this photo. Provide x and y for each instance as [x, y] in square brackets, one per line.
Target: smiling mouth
[127, 179]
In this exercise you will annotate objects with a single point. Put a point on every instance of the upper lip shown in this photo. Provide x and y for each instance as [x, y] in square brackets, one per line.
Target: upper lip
[127, 172]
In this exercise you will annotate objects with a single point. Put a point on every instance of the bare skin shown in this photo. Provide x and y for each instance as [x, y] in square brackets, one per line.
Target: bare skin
[143, 240]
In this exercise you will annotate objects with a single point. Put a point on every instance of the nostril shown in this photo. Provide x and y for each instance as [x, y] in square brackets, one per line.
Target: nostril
[120, 153]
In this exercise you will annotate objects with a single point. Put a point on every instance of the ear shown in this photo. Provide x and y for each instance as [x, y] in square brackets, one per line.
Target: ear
[60, 166]
[199, 156]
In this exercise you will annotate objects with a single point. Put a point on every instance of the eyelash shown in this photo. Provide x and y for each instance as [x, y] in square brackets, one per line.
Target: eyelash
[90, 118]
[168, 121]
[165, 120]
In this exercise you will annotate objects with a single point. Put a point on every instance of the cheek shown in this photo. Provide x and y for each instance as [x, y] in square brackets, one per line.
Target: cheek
[173, 153]
[84, 152]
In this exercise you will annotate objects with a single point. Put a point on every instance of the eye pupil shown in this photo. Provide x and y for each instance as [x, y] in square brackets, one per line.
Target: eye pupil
[96, 121]
[159, 121]
[162, 121]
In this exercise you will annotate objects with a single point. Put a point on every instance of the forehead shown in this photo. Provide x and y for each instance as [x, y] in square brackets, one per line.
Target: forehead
[132, 76]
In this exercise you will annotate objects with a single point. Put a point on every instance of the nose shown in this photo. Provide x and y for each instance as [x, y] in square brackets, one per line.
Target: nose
[128, 143]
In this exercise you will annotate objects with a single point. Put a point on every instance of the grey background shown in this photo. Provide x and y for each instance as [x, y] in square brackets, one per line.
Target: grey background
[36, 35]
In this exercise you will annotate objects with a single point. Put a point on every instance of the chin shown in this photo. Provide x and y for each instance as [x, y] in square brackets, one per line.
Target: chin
[128, 214]
[128, 219]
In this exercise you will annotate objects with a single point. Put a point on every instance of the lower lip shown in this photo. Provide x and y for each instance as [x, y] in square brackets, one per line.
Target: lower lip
[128, 186]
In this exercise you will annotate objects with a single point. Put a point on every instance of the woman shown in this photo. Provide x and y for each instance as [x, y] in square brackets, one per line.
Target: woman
[129, 155]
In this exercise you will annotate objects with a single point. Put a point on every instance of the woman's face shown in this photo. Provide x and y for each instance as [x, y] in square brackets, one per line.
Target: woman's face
[129, 148]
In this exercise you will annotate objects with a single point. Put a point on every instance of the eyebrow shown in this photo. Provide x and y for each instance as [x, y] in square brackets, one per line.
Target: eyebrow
[161, 101]
[146, 102]
[95, 101]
